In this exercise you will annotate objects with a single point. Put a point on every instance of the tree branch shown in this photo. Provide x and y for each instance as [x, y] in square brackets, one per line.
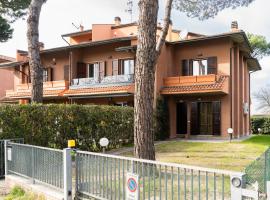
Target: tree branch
[165, 28]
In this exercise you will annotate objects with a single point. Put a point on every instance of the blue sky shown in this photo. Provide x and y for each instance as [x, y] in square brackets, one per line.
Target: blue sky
[57, 17]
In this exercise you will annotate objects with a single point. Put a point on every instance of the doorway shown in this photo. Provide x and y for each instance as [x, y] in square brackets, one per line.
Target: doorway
[205, 118]
[181, 117]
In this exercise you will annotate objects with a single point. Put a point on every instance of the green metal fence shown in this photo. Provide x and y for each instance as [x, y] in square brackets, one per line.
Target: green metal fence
[258, 172]
[40, 164]
[2, 154]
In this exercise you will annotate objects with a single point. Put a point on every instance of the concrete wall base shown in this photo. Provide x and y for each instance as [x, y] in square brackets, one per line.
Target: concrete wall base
[39, 189]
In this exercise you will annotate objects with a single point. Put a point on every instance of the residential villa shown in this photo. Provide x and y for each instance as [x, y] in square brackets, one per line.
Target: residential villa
[6, 78]
[204, 79]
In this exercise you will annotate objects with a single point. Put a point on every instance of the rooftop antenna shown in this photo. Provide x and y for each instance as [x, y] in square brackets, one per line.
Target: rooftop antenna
[77, 27]
[129, 9]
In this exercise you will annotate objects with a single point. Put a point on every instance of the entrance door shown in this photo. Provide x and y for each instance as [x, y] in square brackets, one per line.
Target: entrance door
[206, 118]
[181, 117]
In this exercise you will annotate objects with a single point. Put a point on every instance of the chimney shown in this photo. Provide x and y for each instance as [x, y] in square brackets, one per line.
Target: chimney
[117, 21]
[81, 27]
[41, 46]
[170, 30]
[234, 26]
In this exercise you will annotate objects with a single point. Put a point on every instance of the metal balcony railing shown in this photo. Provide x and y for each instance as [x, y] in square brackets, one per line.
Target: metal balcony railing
[127, 78]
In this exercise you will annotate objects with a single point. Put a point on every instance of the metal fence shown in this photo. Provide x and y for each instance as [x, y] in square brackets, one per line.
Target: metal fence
[2, 154]
[104, 177]
[258, 172]
[41, 164]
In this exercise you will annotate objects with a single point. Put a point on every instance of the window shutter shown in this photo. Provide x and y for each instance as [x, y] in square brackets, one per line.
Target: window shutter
[81, 70]
[190, 72]
[66, 72]
[216, 117]
[51, 74]
[194, 119]
[212, 65]
[185, 68]
[115, 64]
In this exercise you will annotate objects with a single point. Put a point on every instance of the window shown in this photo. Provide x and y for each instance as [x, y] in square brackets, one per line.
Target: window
[93, 70]
[45, 74]
[199, 67]
[126, 67]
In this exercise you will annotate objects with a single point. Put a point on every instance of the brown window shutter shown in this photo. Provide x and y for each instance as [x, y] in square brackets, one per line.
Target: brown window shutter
[51, 74]
[66, 72]
[212, 65]
[194, 118]
[81, 70]
[185, 68]
[115, 64]
[216, 117]
[190, 69]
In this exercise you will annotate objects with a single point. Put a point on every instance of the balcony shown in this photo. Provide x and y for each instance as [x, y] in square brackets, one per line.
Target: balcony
[50, 89]
[107, 80]
[196, 84]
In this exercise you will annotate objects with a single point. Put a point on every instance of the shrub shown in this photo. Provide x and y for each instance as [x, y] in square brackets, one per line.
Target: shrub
[52, 125]
[162, 120]
[260, 122]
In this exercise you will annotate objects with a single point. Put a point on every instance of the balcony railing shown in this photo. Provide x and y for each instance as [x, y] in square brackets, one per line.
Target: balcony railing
[26, 87]
[128, 78]
[188, 80]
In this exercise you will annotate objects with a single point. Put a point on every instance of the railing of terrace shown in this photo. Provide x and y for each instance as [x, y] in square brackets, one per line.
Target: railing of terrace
[104, 80]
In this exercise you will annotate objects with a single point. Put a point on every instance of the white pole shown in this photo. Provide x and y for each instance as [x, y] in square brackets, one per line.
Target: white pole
[67, 174]
[268, 190]
[6, 158]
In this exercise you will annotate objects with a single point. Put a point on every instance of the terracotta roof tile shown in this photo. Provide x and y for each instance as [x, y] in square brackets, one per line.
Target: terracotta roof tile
[196, 88]
[46, 93]
[100, 90]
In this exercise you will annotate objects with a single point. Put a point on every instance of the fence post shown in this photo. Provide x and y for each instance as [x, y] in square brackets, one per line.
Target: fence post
[237, 183]
[6, 156]
[268, 190]
[67, 174]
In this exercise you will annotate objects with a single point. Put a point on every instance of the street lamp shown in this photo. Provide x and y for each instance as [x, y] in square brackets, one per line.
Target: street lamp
[104, 142]
[230, 132]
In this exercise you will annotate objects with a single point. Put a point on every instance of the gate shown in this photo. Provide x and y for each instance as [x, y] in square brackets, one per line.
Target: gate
[2, 154]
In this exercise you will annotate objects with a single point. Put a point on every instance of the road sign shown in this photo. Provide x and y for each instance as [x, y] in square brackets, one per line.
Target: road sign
[132, 186]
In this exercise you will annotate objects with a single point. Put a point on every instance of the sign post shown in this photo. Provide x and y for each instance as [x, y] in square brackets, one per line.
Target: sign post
[132, 186]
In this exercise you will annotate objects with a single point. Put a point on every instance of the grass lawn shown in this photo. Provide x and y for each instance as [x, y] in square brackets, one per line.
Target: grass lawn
[230, 156]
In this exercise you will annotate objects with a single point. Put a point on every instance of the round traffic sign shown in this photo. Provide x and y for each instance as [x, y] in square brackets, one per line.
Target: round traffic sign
[132, 184]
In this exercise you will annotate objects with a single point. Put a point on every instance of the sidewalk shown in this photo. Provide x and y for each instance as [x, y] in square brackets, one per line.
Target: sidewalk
[3, 190]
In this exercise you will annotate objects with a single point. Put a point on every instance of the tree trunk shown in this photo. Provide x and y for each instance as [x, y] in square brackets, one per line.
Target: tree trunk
[146, 58]
[145, 79]
[33, 51]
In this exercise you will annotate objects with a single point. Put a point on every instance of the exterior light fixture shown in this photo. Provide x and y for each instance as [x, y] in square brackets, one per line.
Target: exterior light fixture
[236, 182]
[230, 132]
[104, 142]
[260, 130]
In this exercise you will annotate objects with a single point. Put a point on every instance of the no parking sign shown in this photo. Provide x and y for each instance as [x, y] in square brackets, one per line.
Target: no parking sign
[132, 185]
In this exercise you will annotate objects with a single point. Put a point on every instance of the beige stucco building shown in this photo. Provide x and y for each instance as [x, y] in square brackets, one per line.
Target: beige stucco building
[204, 79]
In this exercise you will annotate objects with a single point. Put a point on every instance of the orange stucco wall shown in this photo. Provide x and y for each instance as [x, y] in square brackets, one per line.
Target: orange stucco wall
[6, 81]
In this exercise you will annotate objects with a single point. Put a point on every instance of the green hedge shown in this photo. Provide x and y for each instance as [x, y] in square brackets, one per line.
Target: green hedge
[53, 125]
[260, 122]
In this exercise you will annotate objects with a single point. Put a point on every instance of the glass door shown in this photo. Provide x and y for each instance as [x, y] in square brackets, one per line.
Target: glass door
[206, 118]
